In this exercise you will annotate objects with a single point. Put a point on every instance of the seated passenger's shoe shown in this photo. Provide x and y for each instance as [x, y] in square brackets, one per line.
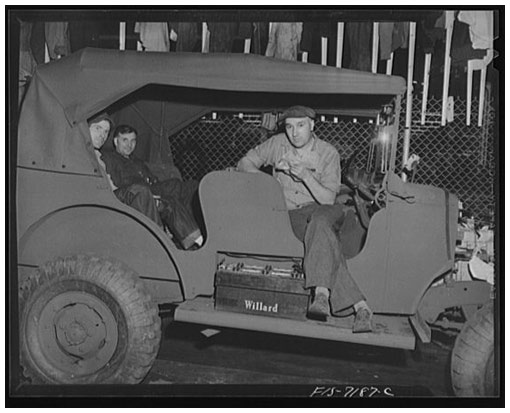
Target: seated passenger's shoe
[362, 321]
[319, 309]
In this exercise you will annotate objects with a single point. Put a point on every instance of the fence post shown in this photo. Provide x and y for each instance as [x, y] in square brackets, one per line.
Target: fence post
[409, 98]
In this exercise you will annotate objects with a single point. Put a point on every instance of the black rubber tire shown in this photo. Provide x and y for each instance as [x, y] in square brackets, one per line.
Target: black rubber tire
[85, 320]
[472, 366]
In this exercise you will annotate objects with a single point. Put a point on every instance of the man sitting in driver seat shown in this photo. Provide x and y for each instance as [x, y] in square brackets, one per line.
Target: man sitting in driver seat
[308, 169]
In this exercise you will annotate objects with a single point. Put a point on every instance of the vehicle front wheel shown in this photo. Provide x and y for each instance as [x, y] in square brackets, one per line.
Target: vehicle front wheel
[87, 320]
[472, 368]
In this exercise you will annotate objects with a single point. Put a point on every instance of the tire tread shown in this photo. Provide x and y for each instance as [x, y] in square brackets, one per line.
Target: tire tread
[141, 313]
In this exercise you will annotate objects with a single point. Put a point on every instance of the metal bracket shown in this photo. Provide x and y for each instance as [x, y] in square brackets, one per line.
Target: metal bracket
[421, 327]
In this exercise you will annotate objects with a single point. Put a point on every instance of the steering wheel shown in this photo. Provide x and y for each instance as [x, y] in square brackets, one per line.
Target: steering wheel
[364, 195]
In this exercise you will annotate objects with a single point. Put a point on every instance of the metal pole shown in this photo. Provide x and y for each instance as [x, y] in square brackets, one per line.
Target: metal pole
[122, 36]
[426, 78]
[375, 48]
[339, 44]
[409, 97]
[394, 133]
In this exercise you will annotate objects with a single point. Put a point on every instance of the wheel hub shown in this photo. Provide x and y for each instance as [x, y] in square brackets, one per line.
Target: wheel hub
[80, 329]
[75, 334]
[78, 332]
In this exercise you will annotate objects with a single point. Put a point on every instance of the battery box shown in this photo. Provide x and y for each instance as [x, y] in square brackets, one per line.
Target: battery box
[261, 287]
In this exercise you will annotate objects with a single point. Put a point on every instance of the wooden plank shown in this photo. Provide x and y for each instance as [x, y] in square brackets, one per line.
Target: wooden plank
[205, 38]
[389, 65]
[247, 45]
[447, 64]
[426, 79]
[122, 36]
[469, 92]
[389, 331]
[339, 44]
[324, 51]
[481, 100]
[375, 47]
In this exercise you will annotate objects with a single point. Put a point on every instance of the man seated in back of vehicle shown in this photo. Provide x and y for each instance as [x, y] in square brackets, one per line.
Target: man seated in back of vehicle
[136, 196]
[308, 169]
[177, 197]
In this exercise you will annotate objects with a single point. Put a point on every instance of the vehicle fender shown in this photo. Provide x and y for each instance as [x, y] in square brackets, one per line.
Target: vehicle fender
[106, 232]
[452, 294]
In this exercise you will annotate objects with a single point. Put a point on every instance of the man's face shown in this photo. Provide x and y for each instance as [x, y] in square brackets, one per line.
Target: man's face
[125, 143]
[99, 132]
[299, 131]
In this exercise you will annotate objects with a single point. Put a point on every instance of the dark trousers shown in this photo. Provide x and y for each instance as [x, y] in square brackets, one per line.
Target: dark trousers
[318, 226]
[140, 198]
[180, 201]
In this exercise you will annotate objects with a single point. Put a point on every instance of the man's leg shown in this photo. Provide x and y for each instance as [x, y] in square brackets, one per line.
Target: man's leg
[317, 226]
[178, 212]
[324, 262]
[140, 198]
[180, 222]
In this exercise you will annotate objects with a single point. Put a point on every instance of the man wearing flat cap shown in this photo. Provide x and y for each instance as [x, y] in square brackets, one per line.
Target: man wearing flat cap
[308, 169]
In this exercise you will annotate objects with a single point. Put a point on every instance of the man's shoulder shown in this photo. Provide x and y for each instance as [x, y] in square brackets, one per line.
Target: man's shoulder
[108, 155]
[326, 147]
[278, 139]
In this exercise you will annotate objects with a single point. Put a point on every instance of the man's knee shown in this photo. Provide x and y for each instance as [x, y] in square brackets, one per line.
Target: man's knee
[327, 215]
[141, 190]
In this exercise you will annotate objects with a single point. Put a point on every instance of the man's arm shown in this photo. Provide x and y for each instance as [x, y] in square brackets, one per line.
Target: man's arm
[262, 154]
[247, 165]
[122, 174]
[322, 195]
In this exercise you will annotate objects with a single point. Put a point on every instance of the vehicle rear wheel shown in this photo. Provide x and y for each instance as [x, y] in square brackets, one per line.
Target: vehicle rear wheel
[87, 320]
[472, 367]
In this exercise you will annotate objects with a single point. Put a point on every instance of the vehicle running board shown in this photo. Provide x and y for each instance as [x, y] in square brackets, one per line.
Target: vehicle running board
[389, 331]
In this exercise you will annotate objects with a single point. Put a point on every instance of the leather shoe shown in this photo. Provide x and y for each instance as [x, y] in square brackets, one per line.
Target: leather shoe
[362, 321]
[319, 309]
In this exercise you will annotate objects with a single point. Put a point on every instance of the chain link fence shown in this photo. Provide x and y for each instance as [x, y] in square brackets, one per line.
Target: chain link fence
[455, 157]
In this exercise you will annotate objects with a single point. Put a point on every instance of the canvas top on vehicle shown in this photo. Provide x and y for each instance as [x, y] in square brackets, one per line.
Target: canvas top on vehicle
[67, 92]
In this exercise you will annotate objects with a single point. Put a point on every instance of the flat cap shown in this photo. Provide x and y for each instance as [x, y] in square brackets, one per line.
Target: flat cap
[101, 116]
[298, 112]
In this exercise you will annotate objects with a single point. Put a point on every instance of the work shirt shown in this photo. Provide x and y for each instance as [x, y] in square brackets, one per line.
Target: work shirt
[127, 171]
[322, 159]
